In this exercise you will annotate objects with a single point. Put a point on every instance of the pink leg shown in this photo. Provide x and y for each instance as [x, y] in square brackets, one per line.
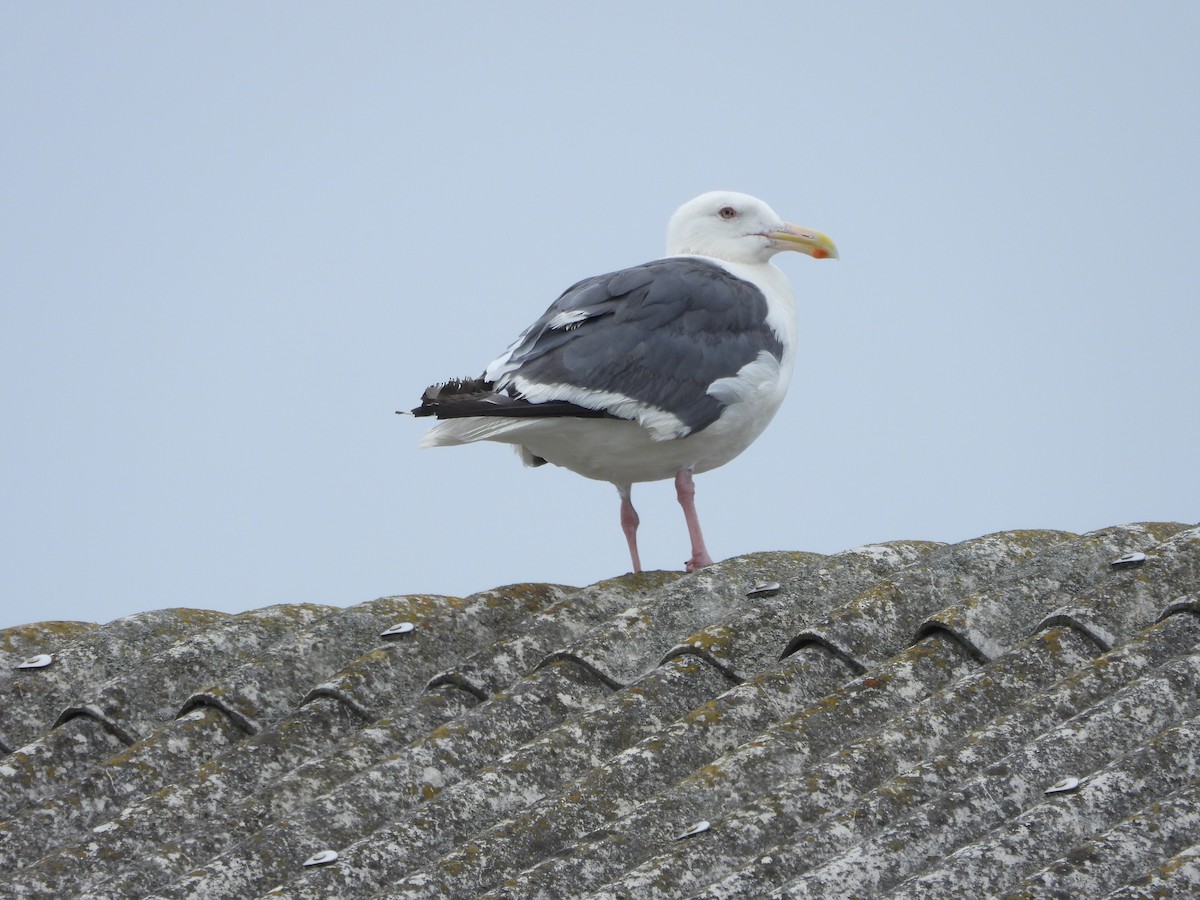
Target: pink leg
[629, 524]
[685, 490]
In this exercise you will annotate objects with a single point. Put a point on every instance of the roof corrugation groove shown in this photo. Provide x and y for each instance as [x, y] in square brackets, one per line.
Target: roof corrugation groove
[1005, 790]
[629, 645]
[1137, 792]
[764, 759]
[748, 640]
[266, 688]
[1179, 876]
[369, 771]
[424, 777]
[881, 721]
[492, 666]
[145, 692]
[774, 809]
[576, 859]
[615, 780]
[104, 790]
[434, 764]
[948, 790]
[167, 821]
[34, 698]
[386, 853]
[941, 571]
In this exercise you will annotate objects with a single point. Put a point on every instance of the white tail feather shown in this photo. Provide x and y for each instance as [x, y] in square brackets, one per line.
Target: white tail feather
[455, 432]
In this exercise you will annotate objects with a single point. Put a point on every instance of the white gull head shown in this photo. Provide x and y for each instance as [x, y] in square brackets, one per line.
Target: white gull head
[739, 228]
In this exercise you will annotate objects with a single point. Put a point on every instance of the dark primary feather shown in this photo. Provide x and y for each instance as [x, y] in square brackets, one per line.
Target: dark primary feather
[463, 397]
[660, 333]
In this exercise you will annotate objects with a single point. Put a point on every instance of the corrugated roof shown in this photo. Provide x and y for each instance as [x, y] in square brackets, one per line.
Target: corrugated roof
[1011, 715]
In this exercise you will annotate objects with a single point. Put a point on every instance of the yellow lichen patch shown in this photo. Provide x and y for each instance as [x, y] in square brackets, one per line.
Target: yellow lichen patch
[19, 637]
[198, 617]
[1161, 531]
[899, 789]
[716, 640]
[1184, 859]
[642, 582]
[881, 591]
[704, 716]
[527, 596]
[710, 775]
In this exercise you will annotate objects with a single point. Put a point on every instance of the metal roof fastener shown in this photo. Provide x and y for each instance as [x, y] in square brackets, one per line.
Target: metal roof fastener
[401, 628]
[1129, 559]
[322, 858]
[1063, 787]
[699, 828]
[36, 662]
[763, 589]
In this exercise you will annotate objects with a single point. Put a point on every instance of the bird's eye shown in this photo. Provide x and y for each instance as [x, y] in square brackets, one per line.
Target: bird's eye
[727, 212]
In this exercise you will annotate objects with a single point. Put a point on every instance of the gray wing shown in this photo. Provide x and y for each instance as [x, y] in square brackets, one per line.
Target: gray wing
[660, 333]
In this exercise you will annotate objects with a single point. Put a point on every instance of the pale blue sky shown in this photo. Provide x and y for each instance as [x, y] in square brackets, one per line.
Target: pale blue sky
[235, 237]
